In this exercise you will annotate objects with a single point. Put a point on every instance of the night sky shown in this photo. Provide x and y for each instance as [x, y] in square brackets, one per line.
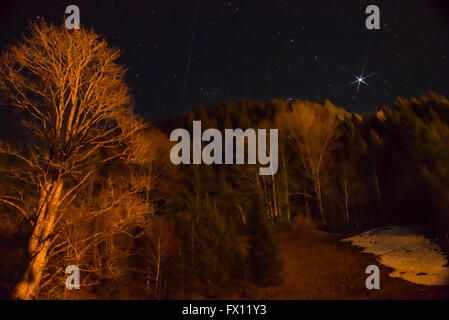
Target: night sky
[180, 53]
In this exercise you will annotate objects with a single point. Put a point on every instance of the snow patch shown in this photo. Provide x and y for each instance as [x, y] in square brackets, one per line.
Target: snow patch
[412, 256]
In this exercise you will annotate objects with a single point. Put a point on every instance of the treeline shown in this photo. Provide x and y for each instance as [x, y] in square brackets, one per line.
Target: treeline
[339, 169]
[85, 181]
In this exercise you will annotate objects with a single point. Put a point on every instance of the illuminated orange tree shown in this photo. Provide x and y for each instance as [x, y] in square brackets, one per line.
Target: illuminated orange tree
[74, 104]
[312, 131]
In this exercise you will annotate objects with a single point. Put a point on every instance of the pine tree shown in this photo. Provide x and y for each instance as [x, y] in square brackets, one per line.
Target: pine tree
[264, 253]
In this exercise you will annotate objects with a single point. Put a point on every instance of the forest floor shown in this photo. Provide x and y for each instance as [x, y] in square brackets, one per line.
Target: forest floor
[317, 265]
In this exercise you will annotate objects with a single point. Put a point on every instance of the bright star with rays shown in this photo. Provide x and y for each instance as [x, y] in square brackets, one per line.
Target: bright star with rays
[360, 80]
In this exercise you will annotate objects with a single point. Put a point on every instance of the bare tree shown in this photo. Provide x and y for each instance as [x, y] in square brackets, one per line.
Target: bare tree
[161, 249]
[311, 131]
[75, 105]
[97, 235]
[100, 229]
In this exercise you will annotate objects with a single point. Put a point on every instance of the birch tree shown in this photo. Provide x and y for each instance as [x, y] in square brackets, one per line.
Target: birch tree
[312, 131]
[74, 104]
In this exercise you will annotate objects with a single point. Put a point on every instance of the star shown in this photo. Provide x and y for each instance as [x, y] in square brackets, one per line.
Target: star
[359, 79]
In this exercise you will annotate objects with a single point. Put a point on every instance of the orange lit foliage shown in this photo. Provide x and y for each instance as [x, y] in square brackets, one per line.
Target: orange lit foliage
[75, 106]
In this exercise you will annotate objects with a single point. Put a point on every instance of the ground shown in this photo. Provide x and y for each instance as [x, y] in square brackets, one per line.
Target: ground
[317, 265]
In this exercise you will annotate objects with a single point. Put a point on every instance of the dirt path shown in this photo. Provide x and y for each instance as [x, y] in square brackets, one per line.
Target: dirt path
[318, 266]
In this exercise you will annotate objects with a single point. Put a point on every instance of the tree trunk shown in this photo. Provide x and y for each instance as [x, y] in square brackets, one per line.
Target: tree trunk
[379, 196]
[286, 192]
[273, 188]
[345, 185]
[158, 264]
[319, 198]
[40, 241]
